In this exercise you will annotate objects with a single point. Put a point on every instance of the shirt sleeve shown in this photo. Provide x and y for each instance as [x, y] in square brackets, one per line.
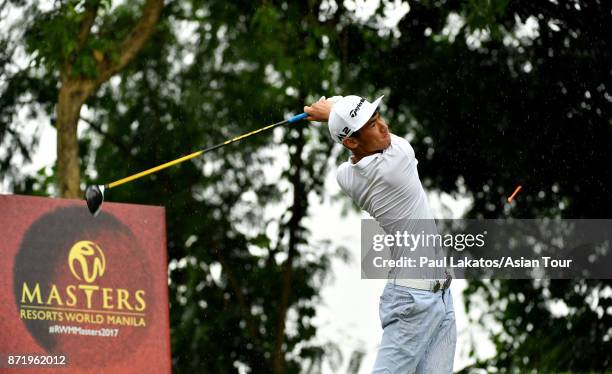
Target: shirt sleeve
[404, 146]
[341, 177]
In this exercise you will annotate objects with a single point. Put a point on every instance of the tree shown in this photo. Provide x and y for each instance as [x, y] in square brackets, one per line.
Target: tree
[63, 43]
[486, 106]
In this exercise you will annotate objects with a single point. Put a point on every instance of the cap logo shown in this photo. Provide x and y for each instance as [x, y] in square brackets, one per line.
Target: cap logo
[345, 131]
[353, 112]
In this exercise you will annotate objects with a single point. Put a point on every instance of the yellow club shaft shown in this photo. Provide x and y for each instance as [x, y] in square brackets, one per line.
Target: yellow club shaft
[198, 153]
[153, 170]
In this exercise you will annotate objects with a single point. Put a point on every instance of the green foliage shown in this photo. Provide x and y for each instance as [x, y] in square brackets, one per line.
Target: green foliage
[484, 115]
[485, 15]
[52, 37]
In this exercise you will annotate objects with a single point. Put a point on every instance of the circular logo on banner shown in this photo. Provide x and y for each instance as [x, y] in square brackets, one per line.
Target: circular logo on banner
[80, 253]
[83, 288]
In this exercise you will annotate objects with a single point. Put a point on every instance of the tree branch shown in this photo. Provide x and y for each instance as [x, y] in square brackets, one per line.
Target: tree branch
[89, 16]
[85, 27]
[134, 42]
[25, 151]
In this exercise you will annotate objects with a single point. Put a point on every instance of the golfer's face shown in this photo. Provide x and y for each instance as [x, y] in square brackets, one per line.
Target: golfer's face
[374, 135]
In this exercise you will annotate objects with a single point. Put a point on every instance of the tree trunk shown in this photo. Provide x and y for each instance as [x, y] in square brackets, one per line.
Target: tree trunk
[71, 97]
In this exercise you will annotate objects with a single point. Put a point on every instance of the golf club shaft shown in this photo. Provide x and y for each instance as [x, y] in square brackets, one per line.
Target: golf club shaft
[198, 153]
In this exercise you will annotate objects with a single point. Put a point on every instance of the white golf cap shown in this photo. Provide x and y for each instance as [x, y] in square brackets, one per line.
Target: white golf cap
[349, 114]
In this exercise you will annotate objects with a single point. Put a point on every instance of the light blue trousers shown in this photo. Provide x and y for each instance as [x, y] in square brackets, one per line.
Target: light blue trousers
[419, 331]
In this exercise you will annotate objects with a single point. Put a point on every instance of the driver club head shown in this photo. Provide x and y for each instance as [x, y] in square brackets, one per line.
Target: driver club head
[94, 195]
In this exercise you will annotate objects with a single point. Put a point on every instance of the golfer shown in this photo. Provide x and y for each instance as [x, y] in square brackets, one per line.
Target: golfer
[417, 315]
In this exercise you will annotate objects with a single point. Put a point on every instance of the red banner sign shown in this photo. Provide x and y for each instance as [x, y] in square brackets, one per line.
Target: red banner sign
[89, 294]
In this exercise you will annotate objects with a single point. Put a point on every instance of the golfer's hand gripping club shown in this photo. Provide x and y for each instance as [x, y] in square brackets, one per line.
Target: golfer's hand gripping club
[94, 195]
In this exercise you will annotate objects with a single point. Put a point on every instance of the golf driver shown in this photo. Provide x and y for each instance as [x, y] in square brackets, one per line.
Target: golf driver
[94, 195]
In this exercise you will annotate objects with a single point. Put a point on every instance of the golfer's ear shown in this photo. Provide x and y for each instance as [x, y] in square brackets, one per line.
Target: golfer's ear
[350, 143]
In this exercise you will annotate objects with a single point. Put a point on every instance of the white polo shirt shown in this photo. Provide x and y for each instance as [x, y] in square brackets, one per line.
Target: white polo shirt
[387, 186]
